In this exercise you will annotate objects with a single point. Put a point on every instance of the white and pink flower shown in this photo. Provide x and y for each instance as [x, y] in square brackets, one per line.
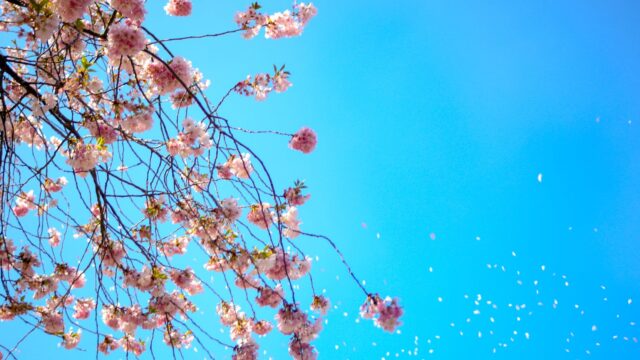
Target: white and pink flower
[304, 140]
[178, 7]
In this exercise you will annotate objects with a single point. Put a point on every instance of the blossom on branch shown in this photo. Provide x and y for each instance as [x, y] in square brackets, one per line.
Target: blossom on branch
[178, 7]
[304, 140]
[278, 25]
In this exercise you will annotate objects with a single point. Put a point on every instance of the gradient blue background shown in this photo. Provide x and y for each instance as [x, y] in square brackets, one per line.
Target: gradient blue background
[437, 117]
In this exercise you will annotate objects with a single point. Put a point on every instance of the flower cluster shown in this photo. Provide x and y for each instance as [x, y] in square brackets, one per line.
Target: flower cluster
[239, 166]
[140, 120]
[294, 196]
[270, 297]
[304, 140]
[384, 312]
[186, 280]
[175, 246]
[125, 39]
[54, 186]
[279, 265]
[292, 321]
[290, 219]
[83, 307]
[278, 25]
[178, 7]
[133, 9]
[71, 339]
[24, 130]
[173, 75]
[193, 140]
[173, 338]
[261, 215]
[320, 304]
[24, 203]
[263, 84]
[54, 236]
[71, 10]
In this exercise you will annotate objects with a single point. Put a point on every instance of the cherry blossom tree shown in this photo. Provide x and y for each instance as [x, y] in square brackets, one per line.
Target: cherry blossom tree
[115, 164]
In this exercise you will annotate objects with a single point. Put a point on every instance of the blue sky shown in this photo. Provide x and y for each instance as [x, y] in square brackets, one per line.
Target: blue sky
[437, 117]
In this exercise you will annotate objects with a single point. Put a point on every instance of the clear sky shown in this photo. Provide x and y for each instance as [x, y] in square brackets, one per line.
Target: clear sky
[435, 120]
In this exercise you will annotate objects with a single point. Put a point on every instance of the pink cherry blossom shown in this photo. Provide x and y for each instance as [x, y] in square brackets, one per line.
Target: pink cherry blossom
[385, 312]
[230, 210]
[321, 304]
[7, 247]
[26, 261]
[192, 141]
[140, 121]
[270, 297]
[369, 309]
[263, 84]
[186, 280]
[83, 308]
[283, 24]
[304, 140]
[227, 313]
[20, 211]
[290, 219]
[298, 267]
[281, 81]
[28, 131]
[52, 322]
[130, 344]
[108, 345]
[290, 319]
[71, 10]
[305, 12]
[389, 313]
[71, 275]
[224, 171]
[178, 7]
[85, 157]
[125, 40]
[54, 236]
[175, 339]
[309, 330]
[262, 327]
[103, 130]
[251, 21]
[245, 351]
[167, 78]
[240, 166]
[294, 195]
[111, 253]
[54, 186]
[241, 329]
[278, 25]
[175, 246]
[133, 9]
[24, 203]
[43, 285]
[155, 210]
[300, 350]
[181, 99]
[45, 27]
[247, 282]
[70, 340]
[111, 316]
[150, 279]
[260, 215]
